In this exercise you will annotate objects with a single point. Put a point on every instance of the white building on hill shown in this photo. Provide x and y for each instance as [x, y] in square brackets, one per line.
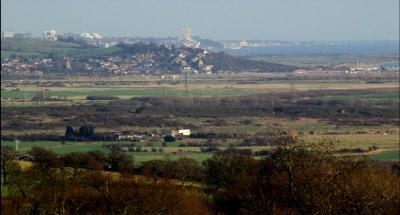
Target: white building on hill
[50, 35]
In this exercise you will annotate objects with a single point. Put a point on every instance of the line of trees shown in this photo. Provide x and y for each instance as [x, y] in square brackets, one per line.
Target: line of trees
[84, 131]
[46, 188]
[298, 178]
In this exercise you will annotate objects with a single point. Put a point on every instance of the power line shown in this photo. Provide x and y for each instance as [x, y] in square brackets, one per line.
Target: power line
[188, 95]
[39, 90]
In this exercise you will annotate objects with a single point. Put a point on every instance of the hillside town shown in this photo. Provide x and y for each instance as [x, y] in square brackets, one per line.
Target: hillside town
[160, 60]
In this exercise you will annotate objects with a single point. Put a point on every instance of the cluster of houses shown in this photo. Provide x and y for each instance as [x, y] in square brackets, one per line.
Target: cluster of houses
[17, 66]
[197, 60]
[138, 135]
[148, 62]
[14, 66]
[136, 63]
[133, 64]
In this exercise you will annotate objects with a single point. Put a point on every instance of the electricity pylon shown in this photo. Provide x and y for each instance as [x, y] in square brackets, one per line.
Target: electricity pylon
[188, 94]
[39, 90]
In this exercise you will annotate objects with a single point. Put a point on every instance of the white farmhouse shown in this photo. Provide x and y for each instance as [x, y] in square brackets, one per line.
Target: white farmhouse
[183, 132]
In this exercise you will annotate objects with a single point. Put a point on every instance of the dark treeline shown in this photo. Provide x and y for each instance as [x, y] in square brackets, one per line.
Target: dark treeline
[87, 133]
[84, 133]
[297, 178]
[338, 111]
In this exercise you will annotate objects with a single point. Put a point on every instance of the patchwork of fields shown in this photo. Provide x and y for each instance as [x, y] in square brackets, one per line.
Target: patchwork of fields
[388, 143]
[79, 92]
[384, 136]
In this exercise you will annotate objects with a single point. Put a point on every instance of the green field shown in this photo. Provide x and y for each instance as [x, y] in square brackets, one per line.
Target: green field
[82, 90]
[387, 155]
[384, 96]
[140, 157]
[126, 92]
[55, 146]
[37, 47]
[173, 151]
[170, 152]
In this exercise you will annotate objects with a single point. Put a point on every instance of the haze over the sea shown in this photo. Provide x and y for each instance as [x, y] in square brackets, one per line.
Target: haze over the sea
[306, 20]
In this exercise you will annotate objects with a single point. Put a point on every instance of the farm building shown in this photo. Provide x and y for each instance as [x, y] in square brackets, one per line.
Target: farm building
[183, 132]
[121, 136]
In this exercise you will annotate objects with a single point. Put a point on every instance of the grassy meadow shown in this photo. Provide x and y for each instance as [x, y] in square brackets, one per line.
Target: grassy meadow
[38, 47]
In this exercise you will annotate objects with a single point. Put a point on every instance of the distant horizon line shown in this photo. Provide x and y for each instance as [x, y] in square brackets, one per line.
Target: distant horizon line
[36, 36]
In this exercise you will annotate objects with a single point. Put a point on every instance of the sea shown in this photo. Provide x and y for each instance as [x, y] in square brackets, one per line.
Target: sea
[343, 47]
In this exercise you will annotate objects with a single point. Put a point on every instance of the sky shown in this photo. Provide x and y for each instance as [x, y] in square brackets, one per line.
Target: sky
[298, 20]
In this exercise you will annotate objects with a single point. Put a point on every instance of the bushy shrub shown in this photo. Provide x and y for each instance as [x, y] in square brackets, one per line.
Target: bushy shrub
[169, 138]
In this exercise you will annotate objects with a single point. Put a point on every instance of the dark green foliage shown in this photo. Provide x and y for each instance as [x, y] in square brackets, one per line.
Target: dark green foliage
[86, 131]
[169, 138]
[69, 132]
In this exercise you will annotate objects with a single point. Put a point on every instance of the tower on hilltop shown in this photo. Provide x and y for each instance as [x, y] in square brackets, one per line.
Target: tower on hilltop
[187, 40]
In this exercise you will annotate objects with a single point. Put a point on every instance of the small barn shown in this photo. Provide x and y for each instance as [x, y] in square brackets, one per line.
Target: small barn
[181, 132]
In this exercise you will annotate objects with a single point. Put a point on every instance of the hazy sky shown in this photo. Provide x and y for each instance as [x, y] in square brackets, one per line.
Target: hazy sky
[214, 19]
